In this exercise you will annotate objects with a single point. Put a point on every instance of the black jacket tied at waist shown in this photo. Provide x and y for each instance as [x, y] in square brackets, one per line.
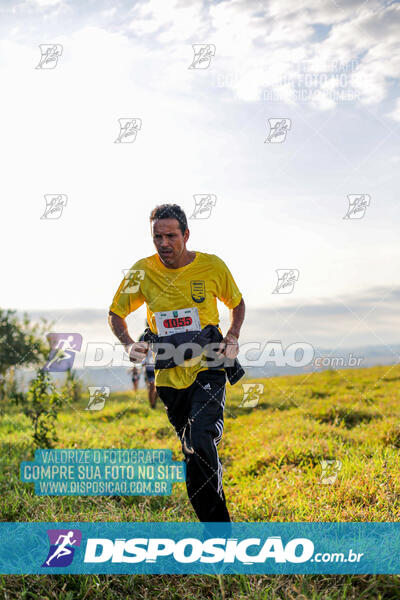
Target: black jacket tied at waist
[208, 335]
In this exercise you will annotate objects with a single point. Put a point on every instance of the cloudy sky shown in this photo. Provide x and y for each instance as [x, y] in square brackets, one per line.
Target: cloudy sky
[330, 69]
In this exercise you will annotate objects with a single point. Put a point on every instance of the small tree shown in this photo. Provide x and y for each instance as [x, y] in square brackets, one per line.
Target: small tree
[41, 406]
[22, 343]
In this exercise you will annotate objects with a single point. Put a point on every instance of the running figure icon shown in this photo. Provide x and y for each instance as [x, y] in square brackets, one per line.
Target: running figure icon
[62, 549]
[63, 349]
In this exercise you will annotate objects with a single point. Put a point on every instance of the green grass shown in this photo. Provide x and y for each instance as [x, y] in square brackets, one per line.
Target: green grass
[272, 472]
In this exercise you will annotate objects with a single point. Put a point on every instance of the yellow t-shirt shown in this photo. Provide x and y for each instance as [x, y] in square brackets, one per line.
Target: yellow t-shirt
[197, 284]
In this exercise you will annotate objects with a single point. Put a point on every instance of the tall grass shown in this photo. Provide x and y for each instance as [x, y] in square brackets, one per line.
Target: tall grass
[272, 457]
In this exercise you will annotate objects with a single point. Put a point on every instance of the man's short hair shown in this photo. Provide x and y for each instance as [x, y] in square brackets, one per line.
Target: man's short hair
[170, 211]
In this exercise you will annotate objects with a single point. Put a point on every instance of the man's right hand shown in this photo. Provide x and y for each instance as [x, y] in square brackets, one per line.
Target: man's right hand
[137, 351]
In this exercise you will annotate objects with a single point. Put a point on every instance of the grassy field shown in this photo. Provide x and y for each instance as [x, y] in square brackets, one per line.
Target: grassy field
[272, 459]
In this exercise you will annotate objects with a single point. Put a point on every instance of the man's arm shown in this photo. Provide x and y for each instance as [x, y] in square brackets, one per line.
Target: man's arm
[119, 328]
[137, 351]
[229, 345]
[237, 318]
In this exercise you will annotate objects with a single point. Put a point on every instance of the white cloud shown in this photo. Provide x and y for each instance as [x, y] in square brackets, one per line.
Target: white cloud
[395, 113]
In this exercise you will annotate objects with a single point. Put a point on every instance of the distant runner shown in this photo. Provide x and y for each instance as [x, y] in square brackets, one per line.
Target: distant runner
[180, 288]
[134, 373]
[149, 375]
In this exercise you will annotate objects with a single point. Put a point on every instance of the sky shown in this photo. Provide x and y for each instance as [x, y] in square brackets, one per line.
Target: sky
[330, 70]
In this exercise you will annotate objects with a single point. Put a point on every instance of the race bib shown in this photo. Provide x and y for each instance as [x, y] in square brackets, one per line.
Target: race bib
[176, 321]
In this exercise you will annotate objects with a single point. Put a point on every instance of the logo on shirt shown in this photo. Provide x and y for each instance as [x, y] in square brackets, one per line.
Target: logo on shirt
[198, 290]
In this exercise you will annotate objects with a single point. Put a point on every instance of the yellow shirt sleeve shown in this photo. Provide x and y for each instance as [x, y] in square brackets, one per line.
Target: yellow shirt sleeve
[129, 296]
[227, 290]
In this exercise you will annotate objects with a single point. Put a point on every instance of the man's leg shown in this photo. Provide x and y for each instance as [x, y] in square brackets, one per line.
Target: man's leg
[202, 435]
[197, 416]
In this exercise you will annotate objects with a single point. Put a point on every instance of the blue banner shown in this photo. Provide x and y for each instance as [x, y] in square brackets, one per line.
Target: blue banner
[103, 472]
[208, 548]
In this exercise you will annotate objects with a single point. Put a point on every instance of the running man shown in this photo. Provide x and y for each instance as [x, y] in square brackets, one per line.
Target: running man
[180, 288]
[149, 375]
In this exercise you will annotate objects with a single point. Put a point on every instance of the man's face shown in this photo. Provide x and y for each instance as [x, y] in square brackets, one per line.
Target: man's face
[169, 240]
